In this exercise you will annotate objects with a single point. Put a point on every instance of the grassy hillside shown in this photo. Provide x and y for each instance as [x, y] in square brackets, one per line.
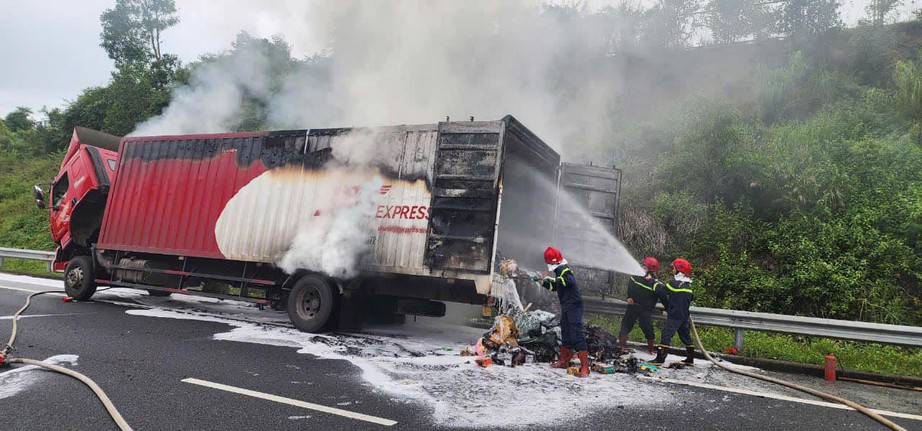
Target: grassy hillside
[22, 224]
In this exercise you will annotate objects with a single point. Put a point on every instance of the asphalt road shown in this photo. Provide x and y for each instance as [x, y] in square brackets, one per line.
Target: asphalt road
[142, 362]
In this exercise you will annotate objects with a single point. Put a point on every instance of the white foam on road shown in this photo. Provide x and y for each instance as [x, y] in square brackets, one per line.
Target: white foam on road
[20, 378]
[412, 364]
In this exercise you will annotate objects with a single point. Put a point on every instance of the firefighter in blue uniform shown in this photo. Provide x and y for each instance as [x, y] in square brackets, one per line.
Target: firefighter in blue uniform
[677, 297]
[571, 307]
[641, 298]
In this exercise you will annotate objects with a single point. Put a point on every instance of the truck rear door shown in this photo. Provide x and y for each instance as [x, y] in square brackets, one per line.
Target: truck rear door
[465, 190]
[595, 190]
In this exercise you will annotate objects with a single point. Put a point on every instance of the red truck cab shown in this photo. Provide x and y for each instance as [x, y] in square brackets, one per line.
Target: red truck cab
[79, 192]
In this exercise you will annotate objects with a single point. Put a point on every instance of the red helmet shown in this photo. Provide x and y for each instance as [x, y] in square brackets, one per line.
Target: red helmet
[651, 263]
[682, 266]
[552, 256]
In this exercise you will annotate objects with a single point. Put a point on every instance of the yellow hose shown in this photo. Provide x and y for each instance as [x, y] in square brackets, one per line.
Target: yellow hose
[116, 416]
[890, 424]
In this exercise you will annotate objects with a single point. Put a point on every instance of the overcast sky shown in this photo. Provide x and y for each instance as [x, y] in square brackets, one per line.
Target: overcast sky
[50, 48]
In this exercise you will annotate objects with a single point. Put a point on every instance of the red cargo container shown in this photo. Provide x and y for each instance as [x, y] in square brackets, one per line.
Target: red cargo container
[223, 214]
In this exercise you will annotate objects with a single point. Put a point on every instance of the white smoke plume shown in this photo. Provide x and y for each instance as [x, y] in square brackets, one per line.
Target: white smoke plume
[334, 244]
[213, 97]
[409, 62]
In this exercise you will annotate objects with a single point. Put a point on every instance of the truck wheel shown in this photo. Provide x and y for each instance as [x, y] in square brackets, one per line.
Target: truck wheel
[78, 278]
[152, 292]
[311, 303]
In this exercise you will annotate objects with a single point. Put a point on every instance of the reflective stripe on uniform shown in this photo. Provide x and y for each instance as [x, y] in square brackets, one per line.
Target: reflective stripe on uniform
[669, 286]
[565, 270]
[652, 289]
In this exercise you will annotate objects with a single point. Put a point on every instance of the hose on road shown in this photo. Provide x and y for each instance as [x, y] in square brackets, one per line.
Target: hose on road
[873, 415]
[4, 357]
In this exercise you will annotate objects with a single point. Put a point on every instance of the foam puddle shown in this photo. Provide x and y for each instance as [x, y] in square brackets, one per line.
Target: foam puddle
[19, 379]
[413, 363]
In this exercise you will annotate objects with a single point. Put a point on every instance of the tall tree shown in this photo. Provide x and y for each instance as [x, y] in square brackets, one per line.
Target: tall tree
[879, 10]
[801, 18]
[131, 30]
[20, 119]
[671, 23]
[735, 20]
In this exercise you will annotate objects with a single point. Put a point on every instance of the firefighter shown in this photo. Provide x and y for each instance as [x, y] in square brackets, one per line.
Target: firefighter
[571, 307]
[641, 298]
[677, 297]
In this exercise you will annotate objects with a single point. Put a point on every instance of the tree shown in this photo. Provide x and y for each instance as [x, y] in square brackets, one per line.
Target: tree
[735, 20]
[801, 18]
[133, 99]
[879, 10]
[20, 119]
[131, 30]
[671, 23]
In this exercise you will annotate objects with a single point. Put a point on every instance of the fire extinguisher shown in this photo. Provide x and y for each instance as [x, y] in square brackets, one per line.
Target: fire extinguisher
[830, 367]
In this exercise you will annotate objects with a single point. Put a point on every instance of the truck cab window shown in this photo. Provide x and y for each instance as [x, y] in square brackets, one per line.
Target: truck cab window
[111, 164]
[60, 189]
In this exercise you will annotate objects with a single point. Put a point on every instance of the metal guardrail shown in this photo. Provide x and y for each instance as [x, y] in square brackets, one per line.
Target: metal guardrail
[738, 320]
[767, 322]
[13, 253]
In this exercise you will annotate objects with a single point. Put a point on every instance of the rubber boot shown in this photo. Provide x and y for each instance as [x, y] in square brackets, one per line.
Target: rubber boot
[689, 356]
[583, 363]
[622, 344]
[661, 353]
[565, 355]
[650, 347]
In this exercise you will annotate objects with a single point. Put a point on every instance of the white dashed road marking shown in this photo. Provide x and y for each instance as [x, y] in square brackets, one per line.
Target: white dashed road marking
[293, 402]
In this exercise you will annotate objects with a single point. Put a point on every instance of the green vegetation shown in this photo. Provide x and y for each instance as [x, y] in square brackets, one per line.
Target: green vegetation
[877, 358]
[810, 213]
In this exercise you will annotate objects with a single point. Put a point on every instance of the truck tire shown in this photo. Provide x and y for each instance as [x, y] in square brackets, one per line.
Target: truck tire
[311, 303]
[160, 293]
[79, 282]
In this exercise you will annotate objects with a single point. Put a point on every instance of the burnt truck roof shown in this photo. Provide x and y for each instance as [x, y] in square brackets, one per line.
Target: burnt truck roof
[532, 141]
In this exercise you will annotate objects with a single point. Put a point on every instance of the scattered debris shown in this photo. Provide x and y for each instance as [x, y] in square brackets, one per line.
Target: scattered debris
[603, 346]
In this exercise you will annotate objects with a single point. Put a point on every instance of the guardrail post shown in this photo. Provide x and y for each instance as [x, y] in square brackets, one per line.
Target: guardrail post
[1, 261]
[50, 266]
[738, 340]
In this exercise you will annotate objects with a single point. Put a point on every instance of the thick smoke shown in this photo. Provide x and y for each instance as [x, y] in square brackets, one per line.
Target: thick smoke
[410, 62]
[416, 62]
[213, 97]
[335, 243]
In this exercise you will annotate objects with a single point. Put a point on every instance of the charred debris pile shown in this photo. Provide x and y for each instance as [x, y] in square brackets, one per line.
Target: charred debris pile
[524, 335]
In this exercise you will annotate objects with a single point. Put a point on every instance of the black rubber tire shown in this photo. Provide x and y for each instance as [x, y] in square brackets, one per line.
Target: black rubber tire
[79, 282]
[160, 293]
[311, 304]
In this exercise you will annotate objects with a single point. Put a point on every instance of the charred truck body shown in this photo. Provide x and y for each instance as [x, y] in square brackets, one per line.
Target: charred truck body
[215, 214]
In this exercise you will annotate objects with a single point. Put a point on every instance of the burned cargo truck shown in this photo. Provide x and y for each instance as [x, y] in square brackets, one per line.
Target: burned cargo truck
[248, 215]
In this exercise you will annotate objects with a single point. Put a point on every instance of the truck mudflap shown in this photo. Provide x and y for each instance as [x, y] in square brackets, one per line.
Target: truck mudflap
[60, 260]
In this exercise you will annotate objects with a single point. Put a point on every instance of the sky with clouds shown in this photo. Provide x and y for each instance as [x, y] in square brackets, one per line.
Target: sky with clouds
[50, 48]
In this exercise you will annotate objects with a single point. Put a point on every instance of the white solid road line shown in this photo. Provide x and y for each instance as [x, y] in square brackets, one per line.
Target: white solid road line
[40, 315]
[293, 402]
[783, 397]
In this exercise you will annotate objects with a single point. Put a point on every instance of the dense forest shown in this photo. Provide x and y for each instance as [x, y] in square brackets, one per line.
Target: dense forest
[776, 149]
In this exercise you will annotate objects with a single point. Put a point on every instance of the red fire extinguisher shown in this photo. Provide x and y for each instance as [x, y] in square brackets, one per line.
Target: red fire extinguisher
[830, 367]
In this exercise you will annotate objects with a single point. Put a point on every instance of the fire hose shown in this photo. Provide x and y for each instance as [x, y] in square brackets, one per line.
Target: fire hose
[4, 357]
[870, 413]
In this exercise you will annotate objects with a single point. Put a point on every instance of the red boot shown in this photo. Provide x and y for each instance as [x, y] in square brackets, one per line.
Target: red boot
[565, 355]
[583, 363]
